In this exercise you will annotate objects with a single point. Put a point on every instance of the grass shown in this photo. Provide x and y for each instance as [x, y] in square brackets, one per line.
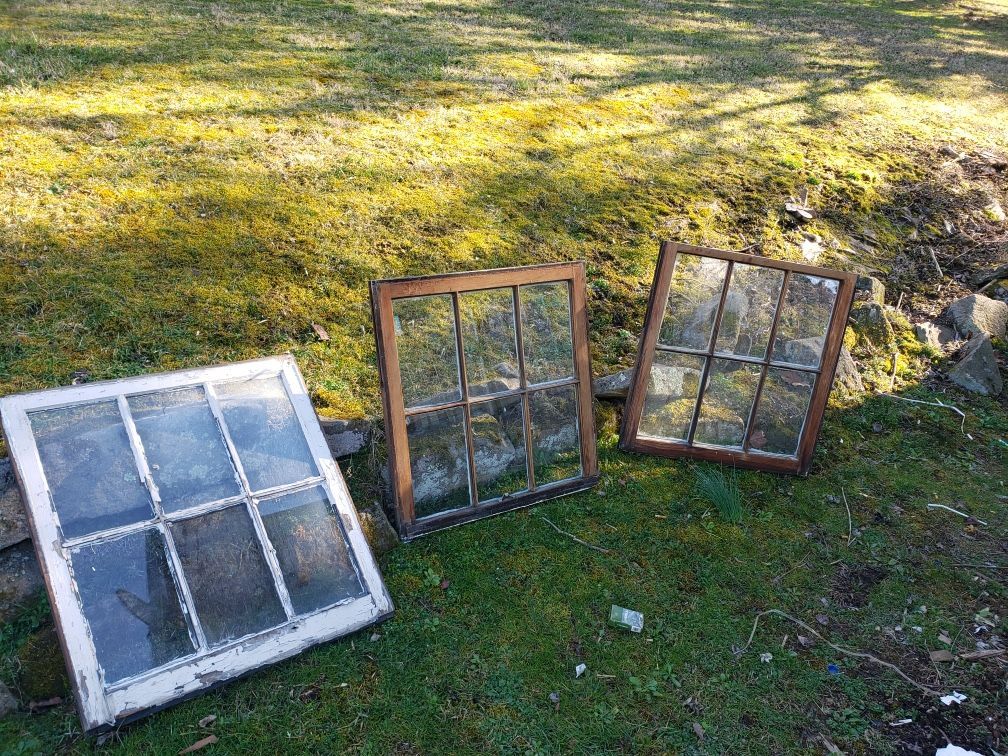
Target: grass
[714, 487]
[191, 183]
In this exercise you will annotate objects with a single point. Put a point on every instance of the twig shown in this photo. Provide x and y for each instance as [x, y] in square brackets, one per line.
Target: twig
[956, 511]
[574, 537]
[958, 411]
[892, 376]
[840, 649]
[850, 522]
[934, 259]
[981, 566]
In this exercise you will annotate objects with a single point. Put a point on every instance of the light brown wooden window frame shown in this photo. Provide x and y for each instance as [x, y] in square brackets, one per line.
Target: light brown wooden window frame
[745, 457]
[384, 292]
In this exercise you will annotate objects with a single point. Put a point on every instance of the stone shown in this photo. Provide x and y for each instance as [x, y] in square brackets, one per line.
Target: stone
[20, 578]
[847, 377]
[42, 672]
[8, 703]
[934, 335]
[869, 289]
[380, 535]
[697, 328]
[13, 520]
[994, 211]
[978, 314]
[345, 437]
[977, 368]
[614, 385]
[871, 327]
[803, 351]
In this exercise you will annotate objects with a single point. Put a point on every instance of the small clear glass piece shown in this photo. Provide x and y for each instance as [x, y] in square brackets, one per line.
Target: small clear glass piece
[131, 604]
[805, 320]
[780, 416]
[185, 451]
[89, 467]
[546, 332]
[749, 310]
[498, 428]
[230, 582]
[439, 461]
[266, 433]
[311, 550]
[428, 351]
[692, 305]
[488, 341]
[727, 402]
[671, 397]
[556, 441]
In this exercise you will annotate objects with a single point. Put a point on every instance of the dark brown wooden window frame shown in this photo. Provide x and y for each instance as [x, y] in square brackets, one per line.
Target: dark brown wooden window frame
[384, 292]
[744, 457]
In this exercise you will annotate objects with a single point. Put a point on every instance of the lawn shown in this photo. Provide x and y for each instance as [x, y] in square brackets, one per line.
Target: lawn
[189, 183]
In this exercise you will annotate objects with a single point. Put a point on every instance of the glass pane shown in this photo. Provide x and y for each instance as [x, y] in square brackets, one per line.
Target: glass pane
[499, 447]
[184, 447]
[266, 432]
[131, 604]
[439, 461]
[428, 353]
[546, 332]
[556, 443]
[749, 310]
[727, 401]
[488, 340]
[311, 549]
[230, 582]
[694, 295]
[781, 412]
[671, 395]
[90, 468]
[805, 319]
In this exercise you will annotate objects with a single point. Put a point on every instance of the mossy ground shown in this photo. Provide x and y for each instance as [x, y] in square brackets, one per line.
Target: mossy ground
[188, 183]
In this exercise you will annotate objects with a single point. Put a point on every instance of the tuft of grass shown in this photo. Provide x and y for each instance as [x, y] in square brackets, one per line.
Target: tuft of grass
[721, 490]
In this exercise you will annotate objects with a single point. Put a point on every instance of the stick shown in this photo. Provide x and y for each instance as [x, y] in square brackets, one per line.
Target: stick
[956, 511]
[840, 649]
[892, 377]
[850, 522]
[958, 411]
[574, 537]
[934, 259]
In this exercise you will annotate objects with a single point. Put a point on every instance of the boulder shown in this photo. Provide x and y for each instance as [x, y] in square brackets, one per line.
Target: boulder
[345, 437]
[978, 314]
[977, 368]
[614, 385]
[42, 672]
[20, 578]
[934, 334]
[847, 377]
[869, 289]
[13, 520]
[380, 535]
[803, 351]
[697, 328]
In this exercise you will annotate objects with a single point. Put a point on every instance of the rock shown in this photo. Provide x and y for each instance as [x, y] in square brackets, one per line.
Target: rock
[696, 331]
[934, 334]
[847, 377]
[614, 385]
[345, 437]
[20, 578]
[803, 351]
[506, 370]
[8, 703]
[871, 327]
[978, 314]
[380, 535]
[869, 289]
[977, 369]
[42, 672]
[13, 520]
[994, 211]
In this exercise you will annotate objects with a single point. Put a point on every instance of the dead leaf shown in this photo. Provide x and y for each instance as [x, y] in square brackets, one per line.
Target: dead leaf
[822, 619]
[311, 693]
[805, 641]
[945, 638]
[942, 655]
[208, 720]
[988, 652]
[322, 333]
[444, 585]
[200, 744]
[699, 731]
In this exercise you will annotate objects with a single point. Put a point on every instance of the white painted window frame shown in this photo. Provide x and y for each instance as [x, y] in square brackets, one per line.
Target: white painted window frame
[101, 707]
